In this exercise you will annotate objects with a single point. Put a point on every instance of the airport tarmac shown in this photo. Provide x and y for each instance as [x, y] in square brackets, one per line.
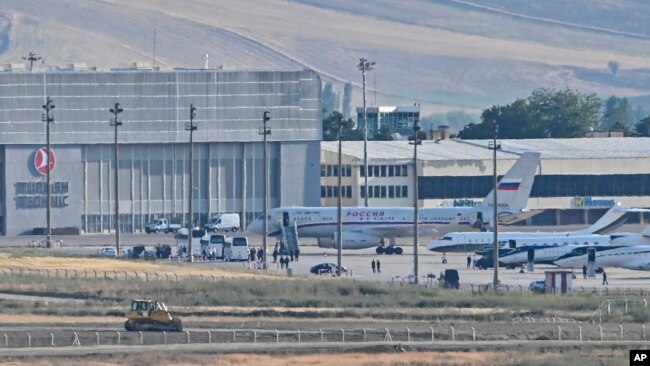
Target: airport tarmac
[393, 267]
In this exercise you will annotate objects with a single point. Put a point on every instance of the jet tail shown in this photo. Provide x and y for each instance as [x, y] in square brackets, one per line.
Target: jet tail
[612, 219]
[514, 188]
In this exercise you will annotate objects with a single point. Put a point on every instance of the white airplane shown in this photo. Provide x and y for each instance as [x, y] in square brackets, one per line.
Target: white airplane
[462, 242]
[548, 249]
[635, 257]
[366, 227]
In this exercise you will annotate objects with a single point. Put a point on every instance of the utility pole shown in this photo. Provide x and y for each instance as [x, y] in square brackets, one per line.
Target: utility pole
[339, 232]
[31, 57]
[116, 123]
[495, 251]
[191, 127]
[415, 142]
[266, 117]
[365, 65]
[48, 106]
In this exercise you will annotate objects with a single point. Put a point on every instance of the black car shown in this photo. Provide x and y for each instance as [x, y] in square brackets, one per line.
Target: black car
[449, 279]
[326, 268]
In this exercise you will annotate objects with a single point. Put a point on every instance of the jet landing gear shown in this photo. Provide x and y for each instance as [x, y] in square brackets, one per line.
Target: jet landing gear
[390, 249]
[444, 258]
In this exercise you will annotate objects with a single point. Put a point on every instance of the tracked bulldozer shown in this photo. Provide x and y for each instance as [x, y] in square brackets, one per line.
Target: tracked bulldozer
[147, 315]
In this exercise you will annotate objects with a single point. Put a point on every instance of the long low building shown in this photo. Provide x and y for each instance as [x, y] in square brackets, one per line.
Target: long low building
[576, 182]
[154, 145]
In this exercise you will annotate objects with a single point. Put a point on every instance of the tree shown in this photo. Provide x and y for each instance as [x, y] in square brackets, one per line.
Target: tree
[613, 67]
[331, 128]
[385, 134]
[642, 128]
[347, 99]
[329, 99]
[454, 119]
[618, 111]
[546, 113]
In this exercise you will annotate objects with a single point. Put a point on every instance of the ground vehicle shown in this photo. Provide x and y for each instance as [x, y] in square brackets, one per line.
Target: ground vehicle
[182, 241]
[326, 268]
[161, 225]
[108, 252]
[151, 315]
[449, 279]
[537, 287]
[216, 244]
[223, 222]
[235, 249]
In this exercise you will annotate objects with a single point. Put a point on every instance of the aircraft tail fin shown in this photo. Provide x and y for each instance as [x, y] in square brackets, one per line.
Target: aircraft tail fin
[614, 218]
[515, 186]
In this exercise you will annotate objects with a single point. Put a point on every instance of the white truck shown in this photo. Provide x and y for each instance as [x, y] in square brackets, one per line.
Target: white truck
[223, 222]
[161, 225]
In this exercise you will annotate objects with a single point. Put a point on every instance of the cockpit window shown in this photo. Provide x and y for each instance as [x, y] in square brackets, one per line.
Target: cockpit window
[446, 238]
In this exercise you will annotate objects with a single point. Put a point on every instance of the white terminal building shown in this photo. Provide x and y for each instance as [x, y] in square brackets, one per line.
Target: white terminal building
[578, 179]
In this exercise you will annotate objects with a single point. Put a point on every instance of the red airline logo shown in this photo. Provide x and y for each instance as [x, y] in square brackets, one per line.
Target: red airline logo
[44, 161]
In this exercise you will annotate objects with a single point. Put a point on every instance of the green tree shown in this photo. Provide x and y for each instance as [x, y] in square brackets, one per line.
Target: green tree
[385, 134]
[546, 113]
[329, 99]
[331, 128]
[347, 99]
[618, 111]
[642, 128]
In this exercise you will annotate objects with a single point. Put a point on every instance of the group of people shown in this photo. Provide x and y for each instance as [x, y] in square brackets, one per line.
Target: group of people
[256, 255]
[209, 254]
[584, 275]
[285, 256]
[471, 261]
[376, 266]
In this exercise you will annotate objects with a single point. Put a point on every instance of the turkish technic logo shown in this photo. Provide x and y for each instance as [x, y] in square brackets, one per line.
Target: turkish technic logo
[44, 160]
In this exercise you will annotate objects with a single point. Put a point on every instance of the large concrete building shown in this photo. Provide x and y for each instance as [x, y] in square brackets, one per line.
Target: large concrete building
[577, 181]
[153, 145]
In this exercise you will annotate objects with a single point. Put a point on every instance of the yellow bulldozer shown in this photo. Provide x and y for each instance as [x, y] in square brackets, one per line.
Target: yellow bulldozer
[147, 315]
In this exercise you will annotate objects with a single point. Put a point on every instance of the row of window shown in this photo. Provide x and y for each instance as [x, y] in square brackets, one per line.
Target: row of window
[385, 191]
[329, 170]
[385, 170]
[614, 185]
[333, 191]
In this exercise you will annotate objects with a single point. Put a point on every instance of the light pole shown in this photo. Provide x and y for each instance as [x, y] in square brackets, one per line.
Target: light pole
[116, 123]
[31, 57]
[266, 117]
[365, 65]
[191, 127]
[495, 251]
[339, 233]
[415, 142]
[48, 106]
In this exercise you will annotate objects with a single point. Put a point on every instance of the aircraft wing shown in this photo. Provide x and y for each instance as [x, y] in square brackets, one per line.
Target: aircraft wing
[512, 218]
[383, 231]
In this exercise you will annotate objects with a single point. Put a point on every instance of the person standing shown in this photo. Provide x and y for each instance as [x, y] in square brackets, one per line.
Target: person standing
[372, 265]
[378, 266]
[584, 271]
[275, 254]
[469, 261]
[605, 278]
[297, 253]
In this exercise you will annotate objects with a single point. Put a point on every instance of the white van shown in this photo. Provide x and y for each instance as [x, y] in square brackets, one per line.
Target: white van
[235, 249]
[224, 222]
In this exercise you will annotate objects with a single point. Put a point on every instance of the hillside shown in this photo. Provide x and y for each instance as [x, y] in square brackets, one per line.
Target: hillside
[444, 54]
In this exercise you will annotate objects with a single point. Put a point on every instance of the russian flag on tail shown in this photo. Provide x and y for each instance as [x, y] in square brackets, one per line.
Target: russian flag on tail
[509, 185]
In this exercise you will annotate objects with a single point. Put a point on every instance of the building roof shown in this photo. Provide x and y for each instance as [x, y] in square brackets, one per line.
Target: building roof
[454, 149]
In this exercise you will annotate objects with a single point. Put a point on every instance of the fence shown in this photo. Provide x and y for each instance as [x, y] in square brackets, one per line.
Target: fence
[459, 333]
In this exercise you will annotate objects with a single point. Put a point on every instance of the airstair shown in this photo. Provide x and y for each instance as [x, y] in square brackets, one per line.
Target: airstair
[290, 237]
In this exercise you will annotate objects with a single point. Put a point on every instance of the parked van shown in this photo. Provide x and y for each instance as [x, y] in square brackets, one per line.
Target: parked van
[235, 249]
[223, 222]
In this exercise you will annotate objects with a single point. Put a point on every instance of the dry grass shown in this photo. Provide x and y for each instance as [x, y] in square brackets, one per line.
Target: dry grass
[532, 357]
[119, 265]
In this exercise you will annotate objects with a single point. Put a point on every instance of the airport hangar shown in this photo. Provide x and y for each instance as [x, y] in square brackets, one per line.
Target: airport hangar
[577, 181]
[153, 145]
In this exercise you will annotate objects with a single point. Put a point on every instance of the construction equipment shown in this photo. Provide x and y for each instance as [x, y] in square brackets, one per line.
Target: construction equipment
[147, 315]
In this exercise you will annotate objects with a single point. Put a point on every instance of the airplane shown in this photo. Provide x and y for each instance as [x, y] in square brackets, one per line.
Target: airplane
[636, 257]
[366, 227]
[548, 249]
[463, 242]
